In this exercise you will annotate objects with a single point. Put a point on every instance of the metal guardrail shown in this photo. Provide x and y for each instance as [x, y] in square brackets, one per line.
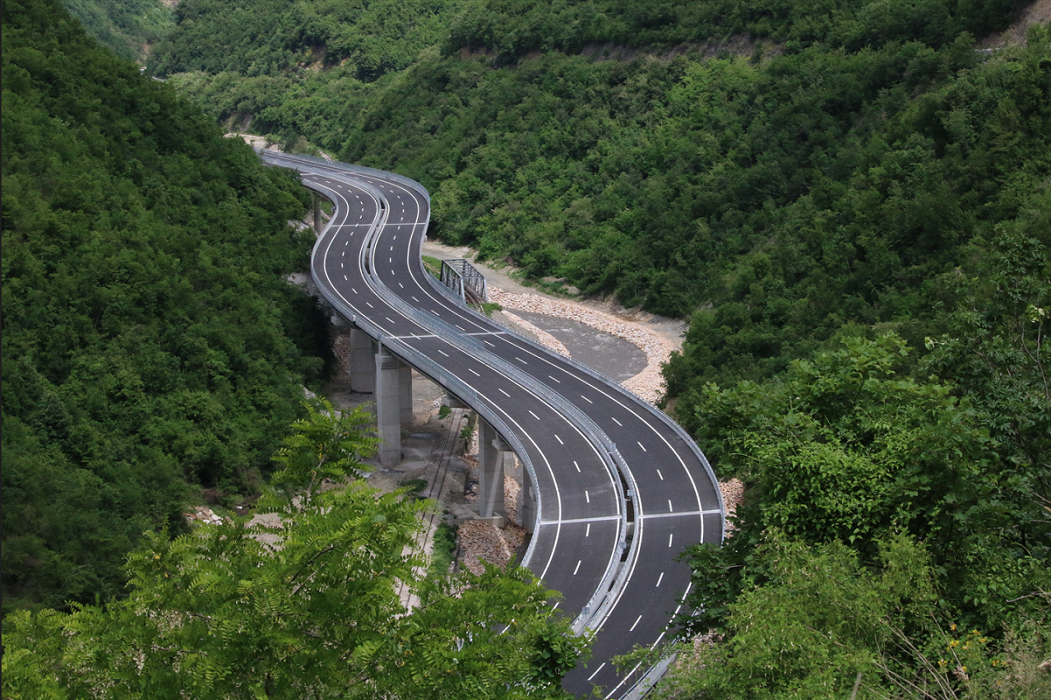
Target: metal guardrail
[425, 364]
[613, 582]
[657, 413]
[608, 589]
[347, 167]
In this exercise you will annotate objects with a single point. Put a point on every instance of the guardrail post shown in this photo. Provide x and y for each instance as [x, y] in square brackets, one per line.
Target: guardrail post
[362, 363]
[388, 410]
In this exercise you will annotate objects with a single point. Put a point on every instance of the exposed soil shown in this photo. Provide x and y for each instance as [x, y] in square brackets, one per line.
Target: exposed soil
[1038, 12]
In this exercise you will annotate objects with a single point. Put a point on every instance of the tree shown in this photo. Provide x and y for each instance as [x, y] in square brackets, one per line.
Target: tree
[308, 607]
[843, 449]
[824, 625]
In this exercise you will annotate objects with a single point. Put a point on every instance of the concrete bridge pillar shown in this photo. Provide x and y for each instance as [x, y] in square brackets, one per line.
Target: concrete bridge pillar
[362, 363]
[526, 498]
[318, 225]
[388, 409]
[405, 392]
[490, 473]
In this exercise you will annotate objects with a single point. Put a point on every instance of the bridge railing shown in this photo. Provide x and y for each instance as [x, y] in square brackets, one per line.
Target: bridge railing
[614, 580]
[460, 275]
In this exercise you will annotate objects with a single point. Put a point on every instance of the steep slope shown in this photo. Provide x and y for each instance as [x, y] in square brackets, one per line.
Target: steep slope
[147, 330]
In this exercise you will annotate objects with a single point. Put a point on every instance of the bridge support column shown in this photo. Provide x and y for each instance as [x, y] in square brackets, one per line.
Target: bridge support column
[362, 364]
[491, 451]
[526, 498]
[405, 393]
[388, 409]
[317, 212]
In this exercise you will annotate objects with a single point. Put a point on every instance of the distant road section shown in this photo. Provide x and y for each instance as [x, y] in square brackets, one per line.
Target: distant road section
[620, 488]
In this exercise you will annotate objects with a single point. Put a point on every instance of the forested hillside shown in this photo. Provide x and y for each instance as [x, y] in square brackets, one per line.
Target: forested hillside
[151, 346]
[848, 200]
[127, 27]
[780, 196]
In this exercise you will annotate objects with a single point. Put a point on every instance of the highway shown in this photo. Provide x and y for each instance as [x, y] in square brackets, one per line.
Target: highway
[621, 490]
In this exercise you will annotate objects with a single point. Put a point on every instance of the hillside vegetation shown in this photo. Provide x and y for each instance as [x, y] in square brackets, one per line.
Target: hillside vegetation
[127, 27]
[848, 202]
[150, 343]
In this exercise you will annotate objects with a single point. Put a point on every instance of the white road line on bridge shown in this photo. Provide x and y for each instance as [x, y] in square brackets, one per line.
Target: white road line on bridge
[559, 440]
[556, 380]
[576, 465]
[473, 372]
[534, 415]
[504, 392]
[660, 475]
[575, 570]
[640, 445]
[680, 514]
[632, 629]
[596, 671]
[576, 521]
[659, 579]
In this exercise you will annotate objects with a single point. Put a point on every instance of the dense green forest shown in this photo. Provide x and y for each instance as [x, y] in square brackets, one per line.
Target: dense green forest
[151, 345]
[127, 27]
[847, 200]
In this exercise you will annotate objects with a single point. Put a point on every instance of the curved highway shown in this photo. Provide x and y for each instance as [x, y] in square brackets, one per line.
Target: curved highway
[621, 490]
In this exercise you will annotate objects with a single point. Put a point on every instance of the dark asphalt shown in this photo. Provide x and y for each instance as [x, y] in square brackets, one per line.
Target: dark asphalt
[677, 500]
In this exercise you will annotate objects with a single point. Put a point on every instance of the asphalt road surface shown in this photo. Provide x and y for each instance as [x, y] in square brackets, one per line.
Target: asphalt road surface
[621, 490]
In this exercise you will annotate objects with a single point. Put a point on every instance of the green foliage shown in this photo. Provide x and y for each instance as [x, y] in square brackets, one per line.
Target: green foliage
[842, 449]
[512, 28]
[266, 37]
[433, 265]
[489, 307]
[306, 607]
[126, 27]
[443, 549]
[821, 622]
[775, 201]
[145, 314]
[325, 445]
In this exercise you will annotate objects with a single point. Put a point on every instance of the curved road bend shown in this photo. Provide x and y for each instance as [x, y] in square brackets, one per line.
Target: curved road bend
[676, 500]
